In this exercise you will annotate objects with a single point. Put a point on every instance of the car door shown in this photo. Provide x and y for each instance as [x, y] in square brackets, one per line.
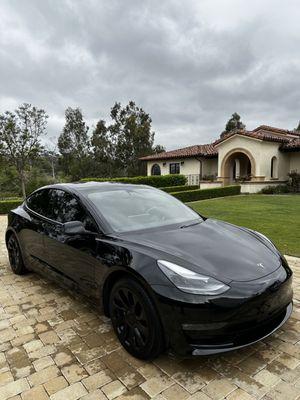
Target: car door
[33, 231]
[71, 257]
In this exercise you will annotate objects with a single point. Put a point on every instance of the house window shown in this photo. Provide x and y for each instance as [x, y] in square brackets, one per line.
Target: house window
[174, 168]
[155, 170]
[274, 168]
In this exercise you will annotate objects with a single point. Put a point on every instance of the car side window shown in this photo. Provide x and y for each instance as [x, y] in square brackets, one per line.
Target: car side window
[39, 202]
[66, 208]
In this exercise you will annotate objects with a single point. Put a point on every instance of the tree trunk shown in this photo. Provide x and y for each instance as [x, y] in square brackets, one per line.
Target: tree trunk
[22, 179]
[53, 169]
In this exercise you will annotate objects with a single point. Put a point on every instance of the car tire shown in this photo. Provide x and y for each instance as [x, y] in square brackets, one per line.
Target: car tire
[15, 256]
[135, 320]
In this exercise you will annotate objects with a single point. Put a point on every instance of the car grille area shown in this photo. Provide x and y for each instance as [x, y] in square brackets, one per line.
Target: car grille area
[235, 321]
[237, 334]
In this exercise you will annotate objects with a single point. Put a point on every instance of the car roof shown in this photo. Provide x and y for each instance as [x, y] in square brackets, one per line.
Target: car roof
[94, 185]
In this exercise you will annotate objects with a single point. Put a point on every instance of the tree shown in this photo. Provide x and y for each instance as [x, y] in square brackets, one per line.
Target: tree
[158, 149]
[132, 136]
[234, 123]
[118, 146]
[20, 134]
[103, 150]
[74, 144]
[298, 127]
[51, 154]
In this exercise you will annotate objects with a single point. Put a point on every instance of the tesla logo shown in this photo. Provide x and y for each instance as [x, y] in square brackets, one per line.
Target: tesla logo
[261, 265]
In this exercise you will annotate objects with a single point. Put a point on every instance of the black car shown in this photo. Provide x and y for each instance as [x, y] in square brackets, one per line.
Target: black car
[167, 277]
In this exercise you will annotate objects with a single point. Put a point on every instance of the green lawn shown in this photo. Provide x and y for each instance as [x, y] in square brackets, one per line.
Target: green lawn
[277, 216]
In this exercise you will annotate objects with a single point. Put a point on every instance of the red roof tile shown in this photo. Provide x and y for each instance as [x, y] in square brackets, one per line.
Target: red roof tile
[263, 132]
[272, 129]
[293, 145]
[201, 150]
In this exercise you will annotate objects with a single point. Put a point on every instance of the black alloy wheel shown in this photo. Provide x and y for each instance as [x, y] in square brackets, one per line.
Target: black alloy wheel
[15, 256]
[135, 320]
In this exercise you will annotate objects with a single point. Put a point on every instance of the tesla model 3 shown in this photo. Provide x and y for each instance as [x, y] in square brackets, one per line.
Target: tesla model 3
[169, 278]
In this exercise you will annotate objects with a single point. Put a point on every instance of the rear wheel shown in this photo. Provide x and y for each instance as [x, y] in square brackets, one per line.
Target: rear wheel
[15, 256]
[135, 319]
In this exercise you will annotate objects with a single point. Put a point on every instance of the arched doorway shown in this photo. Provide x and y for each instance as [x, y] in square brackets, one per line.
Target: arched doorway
[155, 170]
[237, 165]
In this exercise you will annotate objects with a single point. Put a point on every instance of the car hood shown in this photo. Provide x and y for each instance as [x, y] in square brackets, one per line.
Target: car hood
[215, 248]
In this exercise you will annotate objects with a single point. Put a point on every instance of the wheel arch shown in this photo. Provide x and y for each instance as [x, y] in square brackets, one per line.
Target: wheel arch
[113, 277]
[8, 234]
[121, 274]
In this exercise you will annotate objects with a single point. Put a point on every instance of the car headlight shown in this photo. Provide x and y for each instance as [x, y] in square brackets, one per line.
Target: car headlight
[191, 282]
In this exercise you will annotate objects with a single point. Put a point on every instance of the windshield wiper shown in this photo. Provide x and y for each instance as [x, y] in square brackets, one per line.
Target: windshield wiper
[192, 224]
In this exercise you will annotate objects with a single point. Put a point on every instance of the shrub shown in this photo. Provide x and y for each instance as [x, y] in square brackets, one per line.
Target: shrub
[202, 194]
[275, 189]
[156, 180]
[182, 188]
[294, 181]
[7, 205]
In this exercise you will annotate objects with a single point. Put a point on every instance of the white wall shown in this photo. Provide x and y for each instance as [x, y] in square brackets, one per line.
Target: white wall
[210, 166]
[262, 151]
[295, 161]
[269, 150]
[190, 166]
[210, 185]
[256, 187]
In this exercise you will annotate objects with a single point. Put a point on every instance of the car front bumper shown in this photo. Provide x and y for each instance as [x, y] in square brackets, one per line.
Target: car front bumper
[240, 318]
[248, 337]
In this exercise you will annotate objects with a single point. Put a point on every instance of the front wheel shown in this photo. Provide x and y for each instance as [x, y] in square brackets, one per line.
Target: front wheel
[15, 256]
[135, 320]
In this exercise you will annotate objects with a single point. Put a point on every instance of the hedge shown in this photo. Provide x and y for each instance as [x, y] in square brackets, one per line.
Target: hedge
[9, 196]
[278, 189]
[182, 188]
[7, 205]
[155, 180]
[202, 194]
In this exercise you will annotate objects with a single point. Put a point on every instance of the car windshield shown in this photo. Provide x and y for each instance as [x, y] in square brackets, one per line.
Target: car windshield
[131, 209]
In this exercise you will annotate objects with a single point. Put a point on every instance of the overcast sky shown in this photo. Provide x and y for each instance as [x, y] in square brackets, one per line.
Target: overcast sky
[189, 63]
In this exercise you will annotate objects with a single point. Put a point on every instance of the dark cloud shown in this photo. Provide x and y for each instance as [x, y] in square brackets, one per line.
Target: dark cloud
[190, 64]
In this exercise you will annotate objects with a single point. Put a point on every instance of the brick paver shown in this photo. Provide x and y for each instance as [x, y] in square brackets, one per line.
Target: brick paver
[54, 345]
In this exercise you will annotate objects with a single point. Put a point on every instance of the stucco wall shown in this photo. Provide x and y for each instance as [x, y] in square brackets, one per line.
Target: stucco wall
[268, 150]
[210, 185]
[190, 166]
[295, 161]
[210, 166]
[262, 152]
[256, 187]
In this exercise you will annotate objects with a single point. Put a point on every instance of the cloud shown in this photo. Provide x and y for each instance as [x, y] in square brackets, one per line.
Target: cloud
[189, 64]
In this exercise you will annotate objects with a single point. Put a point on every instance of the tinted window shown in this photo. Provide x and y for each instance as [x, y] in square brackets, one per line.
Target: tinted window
[39, 202]
[129, 209]
[66, 208]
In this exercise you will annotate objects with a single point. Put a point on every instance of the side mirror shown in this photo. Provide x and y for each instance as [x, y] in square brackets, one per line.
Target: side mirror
[75, 228]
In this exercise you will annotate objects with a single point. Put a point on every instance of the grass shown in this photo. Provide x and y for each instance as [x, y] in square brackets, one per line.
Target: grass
[276, 216]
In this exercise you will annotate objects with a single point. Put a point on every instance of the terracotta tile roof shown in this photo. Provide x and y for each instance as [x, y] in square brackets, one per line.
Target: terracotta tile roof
[272, 129]
[200, 150]
[293, 145]
[263, 132]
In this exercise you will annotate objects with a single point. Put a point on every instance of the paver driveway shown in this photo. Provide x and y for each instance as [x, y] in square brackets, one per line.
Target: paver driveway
[53, 344]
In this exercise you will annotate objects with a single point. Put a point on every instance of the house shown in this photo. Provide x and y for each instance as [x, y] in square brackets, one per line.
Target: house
[256, 159]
